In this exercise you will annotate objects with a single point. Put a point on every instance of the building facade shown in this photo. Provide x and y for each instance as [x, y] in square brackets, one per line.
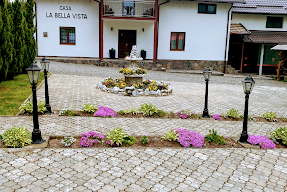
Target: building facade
[176, 34]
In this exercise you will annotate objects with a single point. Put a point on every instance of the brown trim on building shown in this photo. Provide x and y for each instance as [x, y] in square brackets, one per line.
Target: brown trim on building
[155, 39]
[101, 34]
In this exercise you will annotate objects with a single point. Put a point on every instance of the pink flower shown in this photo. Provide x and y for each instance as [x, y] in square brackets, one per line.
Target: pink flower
[105, 112]
[187, 138]
[89, 138]
[216, 117]
[263, 141]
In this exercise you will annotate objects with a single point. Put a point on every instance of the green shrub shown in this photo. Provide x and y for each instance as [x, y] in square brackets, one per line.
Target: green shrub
[133, 111]
[171, 113]
[28, 107]
[171, 136]
[68, 141]
[283, 118]
[116, 136]
[280, 134]
[89, 108]
[121, 112]
[233, 113]
[144, 139]
[148, 109]
[129, 140]
[161, 113]
[270, 116]
[66, 112]
[213, 137]
[17, 137]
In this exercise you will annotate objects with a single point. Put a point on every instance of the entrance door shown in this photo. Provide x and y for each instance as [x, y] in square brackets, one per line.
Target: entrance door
[127, 38]
[235, 55]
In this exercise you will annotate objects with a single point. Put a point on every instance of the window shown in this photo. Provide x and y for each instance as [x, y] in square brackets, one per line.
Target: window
[67, 35]
[128, 8]
[274, 22]
[177, 41]
[206, 8]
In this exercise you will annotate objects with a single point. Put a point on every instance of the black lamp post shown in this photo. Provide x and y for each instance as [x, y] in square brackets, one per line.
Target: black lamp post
[207, 74]
[248, 84]
[45, 66]
[33, 73]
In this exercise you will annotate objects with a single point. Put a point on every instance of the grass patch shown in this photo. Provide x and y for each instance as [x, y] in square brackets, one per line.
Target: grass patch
[14, 92]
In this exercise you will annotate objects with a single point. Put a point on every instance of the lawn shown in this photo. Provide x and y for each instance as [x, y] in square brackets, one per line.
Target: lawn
[14, 92]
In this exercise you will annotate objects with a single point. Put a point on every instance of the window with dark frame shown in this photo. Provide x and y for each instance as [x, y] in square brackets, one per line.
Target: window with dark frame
[177, 41]
[207, 8]
[274, 22]
[67, 35]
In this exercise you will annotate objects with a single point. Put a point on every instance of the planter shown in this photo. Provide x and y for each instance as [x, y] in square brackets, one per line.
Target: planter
[133, 79]
[143, 54]
[112, 54]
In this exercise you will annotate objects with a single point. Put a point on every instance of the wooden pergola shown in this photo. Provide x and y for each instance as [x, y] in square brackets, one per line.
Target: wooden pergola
[282, 52]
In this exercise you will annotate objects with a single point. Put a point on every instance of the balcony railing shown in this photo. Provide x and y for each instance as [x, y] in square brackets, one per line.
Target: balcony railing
[118, 8]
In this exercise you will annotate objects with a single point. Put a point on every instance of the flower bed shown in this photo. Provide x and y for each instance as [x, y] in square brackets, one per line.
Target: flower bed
[55, 142]
[145, 88]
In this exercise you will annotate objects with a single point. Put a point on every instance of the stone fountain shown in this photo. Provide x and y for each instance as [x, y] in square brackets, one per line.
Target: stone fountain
[133, 57]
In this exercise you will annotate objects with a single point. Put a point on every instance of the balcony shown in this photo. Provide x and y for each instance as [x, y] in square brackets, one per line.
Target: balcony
[137, 9]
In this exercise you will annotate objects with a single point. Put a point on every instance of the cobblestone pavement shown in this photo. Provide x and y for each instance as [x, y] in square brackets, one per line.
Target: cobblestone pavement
[150, 169]
[72, 91]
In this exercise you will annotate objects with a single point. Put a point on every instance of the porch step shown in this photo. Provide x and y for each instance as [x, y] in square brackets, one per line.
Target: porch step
[230, 70]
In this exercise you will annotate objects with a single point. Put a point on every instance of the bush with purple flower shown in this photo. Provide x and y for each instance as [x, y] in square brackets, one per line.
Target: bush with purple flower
[144, 140]
[262, 141]
[89, 138]
[105, 112]
[216, 117]
[187, 138]
[184, 114]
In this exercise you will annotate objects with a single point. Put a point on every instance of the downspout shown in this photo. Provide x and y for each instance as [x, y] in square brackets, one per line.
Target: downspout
[36, 28]
[157, 30]
[227, 37]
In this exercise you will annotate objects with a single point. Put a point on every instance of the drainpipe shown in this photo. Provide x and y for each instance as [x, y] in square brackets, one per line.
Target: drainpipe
[261, 59]
[227, 37]
[36, 27]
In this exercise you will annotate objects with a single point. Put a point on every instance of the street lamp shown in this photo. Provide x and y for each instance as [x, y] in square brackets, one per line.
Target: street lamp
[207, 74]
[45, 66]
[33, 73]
[248, 84]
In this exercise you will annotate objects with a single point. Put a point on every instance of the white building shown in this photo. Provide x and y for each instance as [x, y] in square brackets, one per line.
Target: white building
[258, 25]
[177, 34]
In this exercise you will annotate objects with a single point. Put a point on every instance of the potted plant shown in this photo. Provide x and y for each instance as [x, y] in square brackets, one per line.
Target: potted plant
[143, 54]
[112, 53]
[274, 58]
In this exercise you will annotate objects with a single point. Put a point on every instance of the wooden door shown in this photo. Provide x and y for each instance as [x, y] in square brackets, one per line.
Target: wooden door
[127, 38]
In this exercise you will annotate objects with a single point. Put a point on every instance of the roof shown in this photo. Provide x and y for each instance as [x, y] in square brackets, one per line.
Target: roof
[266, 37]
[279, 48]
[239, 29]
[261, 6]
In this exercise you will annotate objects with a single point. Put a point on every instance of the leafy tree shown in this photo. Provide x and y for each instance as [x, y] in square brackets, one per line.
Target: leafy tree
[6, 48]
[1, 27]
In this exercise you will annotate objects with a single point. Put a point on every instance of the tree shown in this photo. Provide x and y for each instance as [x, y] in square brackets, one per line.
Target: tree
[30, 30]
[1, 27]
[19, 36]
[6, 48]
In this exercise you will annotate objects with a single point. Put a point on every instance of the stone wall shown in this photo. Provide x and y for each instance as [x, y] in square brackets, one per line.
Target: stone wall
[192, 64]
[149, 65]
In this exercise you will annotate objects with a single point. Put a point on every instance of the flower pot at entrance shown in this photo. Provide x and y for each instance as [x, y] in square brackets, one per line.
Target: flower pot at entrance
[112, 54]
[143, 54]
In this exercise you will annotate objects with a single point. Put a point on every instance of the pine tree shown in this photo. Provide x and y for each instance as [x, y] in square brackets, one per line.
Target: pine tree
[19, 35]
[1, 28]
[30, 39]
[6, 47]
